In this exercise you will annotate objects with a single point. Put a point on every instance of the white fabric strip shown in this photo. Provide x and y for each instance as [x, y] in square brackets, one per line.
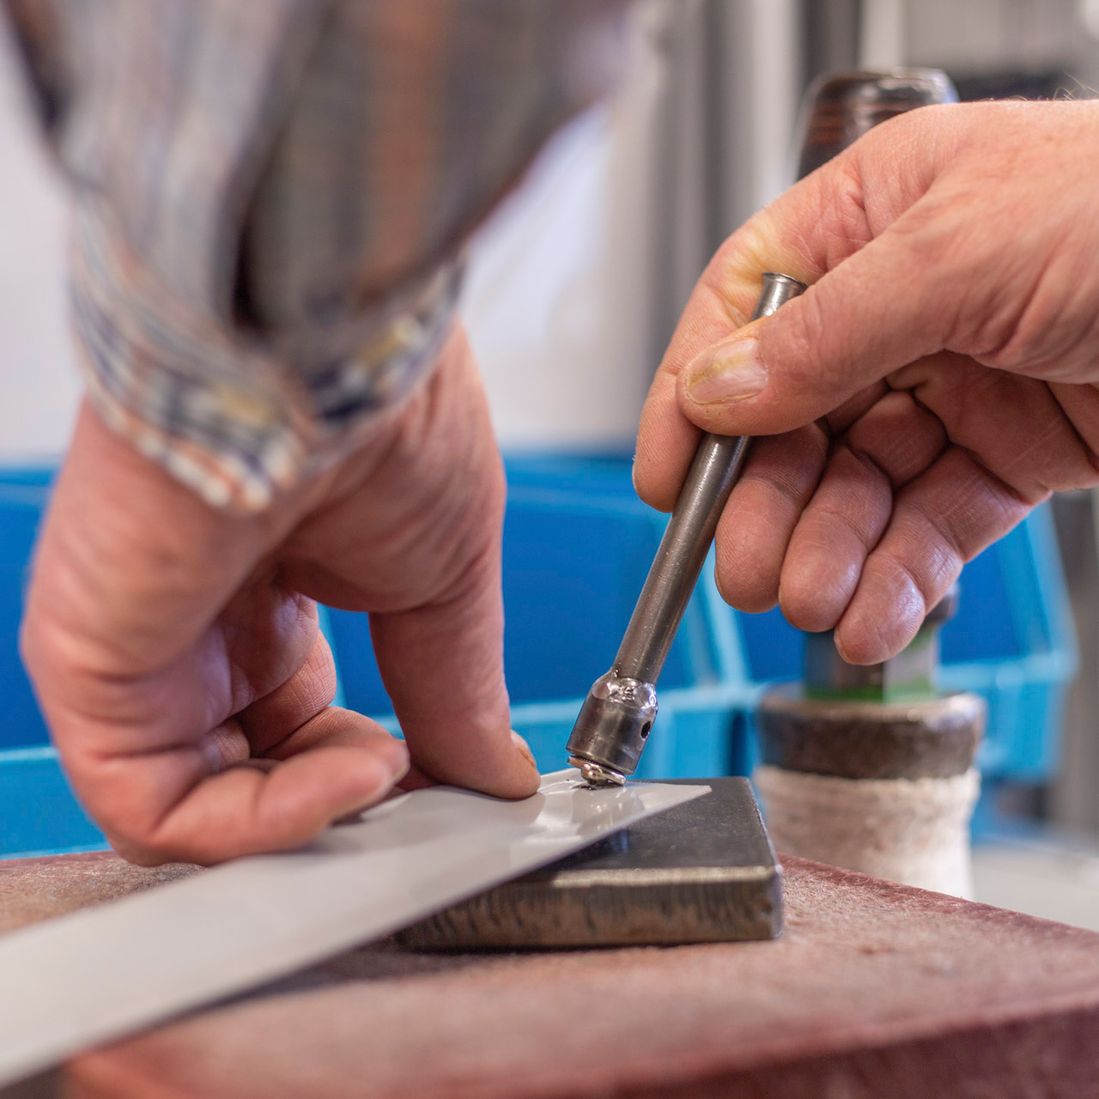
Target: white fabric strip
[99, 974]
[914, 831]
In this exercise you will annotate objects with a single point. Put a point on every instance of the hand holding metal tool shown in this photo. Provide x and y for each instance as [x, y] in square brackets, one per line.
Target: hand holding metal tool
[618, 714]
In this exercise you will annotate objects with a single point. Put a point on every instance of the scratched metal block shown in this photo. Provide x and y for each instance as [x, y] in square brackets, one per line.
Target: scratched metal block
[703, 871]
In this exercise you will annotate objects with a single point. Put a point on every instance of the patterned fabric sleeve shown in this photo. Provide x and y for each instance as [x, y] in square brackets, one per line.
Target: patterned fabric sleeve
[271, 199]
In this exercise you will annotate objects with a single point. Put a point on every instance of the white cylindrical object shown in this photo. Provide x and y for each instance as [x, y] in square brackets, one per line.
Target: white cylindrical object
[914, 831]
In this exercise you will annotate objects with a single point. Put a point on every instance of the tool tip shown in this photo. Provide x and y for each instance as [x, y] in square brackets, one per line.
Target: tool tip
[595, 774]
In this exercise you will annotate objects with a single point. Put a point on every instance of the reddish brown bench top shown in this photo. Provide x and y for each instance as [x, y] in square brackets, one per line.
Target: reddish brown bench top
[875, 990]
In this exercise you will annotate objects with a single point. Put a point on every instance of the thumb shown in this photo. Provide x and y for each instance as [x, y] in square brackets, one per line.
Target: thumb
[862, 320]
[841, 229]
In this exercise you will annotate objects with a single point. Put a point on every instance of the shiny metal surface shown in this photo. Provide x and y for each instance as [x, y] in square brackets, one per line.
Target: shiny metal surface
[620, 709]
[594, 775]
[614, 722]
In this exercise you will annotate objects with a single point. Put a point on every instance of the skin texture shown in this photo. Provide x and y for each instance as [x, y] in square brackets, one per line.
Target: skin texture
[934, 384]
[175, 648]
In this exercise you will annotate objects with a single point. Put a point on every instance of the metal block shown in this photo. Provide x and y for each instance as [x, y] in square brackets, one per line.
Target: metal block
[703, 871]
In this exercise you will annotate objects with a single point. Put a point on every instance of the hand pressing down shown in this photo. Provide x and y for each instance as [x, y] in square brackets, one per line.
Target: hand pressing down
[175, 648]
[934, 384]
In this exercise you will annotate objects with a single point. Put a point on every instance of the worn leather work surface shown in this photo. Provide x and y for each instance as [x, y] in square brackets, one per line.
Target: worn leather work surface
[875, 989]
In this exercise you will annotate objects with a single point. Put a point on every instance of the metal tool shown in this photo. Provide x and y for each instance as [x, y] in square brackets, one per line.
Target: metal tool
[618, 714]
[703, 871]
[909, 674]
[874, 721]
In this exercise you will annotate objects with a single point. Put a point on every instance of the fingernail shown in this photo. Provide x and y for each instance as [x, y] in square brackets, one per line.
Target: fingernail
[396, 759]
[727, 372]
[524, 749]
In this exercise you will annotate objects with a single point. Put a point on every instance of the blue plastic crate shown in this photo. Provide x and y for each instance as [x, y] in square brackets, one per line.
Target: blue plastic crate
[577, 544]
[23, 496]
[38, 813]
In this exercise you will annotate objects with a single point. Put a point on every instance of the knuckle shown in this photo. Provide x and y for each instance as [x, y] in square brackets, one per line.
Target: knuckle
[927, 572]
[795, 343]
[847, 205]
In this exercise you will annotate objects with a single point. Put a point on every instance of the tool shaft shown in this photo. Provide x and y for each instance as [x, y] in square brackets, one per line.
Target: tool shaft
[714, 472]
[618, 713]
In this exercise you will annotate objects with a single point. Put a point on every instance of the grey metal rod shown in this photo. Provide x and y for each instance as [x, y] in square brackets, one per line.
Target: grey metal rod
[614, 722]
[716, 468]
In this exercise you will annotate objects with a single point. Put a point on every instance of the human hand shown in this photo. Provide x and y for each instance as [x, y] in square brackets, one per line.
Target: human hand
[175, 650]
[935, 382]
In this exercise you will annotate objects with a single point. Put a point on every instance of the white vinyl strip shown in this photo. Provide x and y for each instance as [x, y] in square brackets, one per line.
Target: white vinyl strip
[98, 974]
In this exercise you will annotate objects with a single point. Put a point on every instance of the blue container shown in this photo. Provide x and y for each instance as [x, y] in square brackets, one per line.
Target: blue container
[577, 544]
[38, 813]
[23, 496]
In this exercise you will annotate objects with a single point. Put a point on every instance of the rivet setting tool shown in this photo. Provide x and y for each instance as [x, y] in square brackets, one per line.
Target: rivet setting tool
[618, 714]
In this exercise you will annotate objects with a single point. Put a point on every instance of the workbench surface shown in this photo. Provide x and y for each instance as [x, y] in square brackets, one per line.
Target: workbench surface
[874, 990]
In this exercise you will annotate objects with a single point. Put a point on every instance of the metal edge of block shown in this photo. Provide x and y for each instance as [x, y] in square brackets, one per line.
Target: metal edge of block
[596, 899]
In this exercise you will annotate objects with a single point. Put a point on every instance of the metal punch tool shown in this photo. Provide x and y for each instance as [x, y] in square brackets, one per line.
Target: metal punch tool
[614, 723]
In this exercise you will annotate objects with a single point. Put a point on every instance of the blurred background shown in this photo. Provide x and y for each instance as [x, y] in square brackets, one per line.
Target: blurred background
[574, 288]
